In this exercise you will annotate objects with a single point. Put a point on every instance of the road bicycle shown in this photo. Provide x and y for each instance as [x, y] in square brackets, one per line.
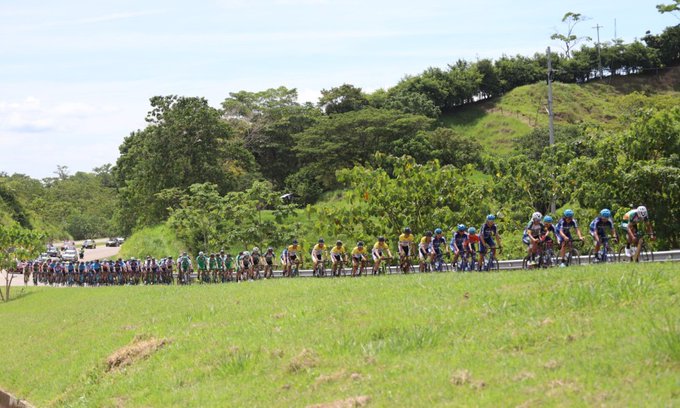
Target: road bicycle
[489, 260]
[572, 254]
[645, 252]
[604, 254]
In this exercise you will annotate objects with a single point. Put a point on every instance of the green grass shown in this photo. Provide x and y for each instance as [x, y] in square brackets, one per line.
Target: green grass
[158, 241]
[607, 335]
[496, 122]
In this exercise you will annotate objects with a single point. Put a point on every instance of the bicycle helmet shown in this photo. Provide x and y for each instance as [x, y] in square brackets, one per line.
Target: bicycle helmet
[472, 230]
[338, 243]
[642, 211]
[199, 253]
[428, 233]
[407, 230]
[569, 213]
[321, 241]
[246, 253]
[605, 213]
[256, 249]
[461, 227]
[548, 218]
[491, 217]
[295, 242]
[438, 231]
[360, 243]
[270, 249]
[536, 216]
[381, 239]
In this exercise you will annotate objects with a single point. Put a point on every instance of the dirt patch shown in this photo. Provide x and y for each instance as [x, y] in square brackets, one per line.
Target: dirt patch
[552, 365]
[323, 379]
[352, 402]
[306, 359]
[546, 322]
[461, 377]
[140, 348]
[524, 375]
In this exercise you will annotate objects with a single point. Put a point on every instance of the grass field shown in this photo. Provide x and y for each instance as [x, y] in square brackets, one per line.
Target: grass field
[586, 336]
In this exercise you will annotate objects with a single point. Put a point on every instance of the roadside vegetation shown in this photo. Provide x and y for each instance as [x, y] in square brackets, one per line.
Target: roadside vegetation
[596, 335]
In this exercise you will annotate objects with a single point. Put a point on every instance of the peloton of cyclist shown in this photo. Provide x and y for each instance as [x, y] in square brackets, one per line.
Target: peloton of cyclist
[380, 249]
[598, 229]
[564, 227]
[425, 250]
[532, 236]
[630, 225]
[487, 233]
[458, 242]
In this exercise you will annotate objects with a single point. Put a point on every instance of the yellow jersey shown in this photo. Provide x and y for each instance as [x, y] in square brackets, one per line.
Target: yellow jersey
[405, 240]
[381, 246]
[336, 250]
[293, 250]
[358, 251]
[318, 249]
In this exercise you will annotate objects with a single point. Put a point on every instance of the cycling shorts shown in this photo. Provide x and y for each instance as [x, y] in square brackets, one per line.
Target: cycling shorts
[337, 257]
[406, 249]
[377, 254]
[424, 252]
[486, 242]
[560, 239]
[317, 257]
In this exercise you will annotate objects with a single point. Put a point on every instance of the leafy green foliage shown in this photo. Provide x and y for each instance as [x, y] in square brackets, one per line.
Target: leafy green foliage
[342, 99]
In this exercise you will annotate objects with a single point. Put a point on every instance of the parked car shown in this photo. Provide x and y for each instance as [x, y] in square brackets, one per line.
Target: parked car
[112, 242]
[120, 240]
[89, 244]
[43, 257]
[53, 252]
[69, 255]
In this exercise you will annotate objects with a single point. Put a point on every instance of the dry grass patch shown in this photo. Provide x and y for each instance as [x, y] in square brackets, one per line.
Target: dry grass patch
[461, 377]
[352, 402]
[306, 359]
[140, 348]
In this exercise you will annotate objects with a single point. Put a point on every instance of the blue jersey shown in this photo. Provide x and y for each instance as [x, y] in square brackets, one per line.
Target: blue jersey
[457, 240]
[566, 226]
[437, 242]
[487, 231]
[600, 224]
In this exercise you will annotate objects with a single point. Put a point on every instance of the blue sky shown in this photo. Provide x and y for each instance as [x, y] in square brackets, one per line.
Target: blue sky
[76, 76]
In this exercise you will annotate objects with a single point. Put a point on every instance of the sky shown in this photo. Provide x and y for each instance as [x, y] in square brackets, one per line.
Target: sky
[76, 76]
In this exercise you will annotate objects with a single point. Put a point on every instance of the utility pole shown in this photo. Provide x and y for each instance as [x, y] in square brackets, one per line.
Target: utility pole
[551, 118]
[599, 57]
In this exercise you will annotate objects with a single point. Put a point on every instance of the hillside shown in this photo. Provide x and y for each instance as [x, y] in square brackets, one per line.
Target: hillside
[496, 122]
[607, 335]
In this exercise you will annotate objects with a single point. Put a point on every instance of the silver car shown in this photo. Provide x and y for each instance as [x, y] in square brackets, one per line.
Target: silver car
[69, 255]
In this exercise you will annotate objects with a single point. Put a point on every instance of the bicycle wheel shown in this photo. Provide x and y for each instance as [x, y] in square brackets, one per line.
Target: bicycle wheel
[622, 254]
[591, 257]
[525, 262]
[646, 255]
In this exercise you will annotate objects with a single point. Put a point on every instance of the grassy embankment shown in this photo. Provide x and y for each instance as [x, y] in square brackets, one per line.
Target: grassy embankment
[496, 122]
[607, 335]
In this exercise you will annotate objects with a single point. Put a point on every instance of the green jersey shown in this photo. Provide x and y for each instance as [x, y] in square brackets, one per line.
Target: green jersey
[200, 260]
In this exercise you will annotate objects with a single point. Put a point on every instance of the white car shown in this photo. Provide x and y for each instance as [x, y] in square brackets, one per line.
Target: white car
[69, 255]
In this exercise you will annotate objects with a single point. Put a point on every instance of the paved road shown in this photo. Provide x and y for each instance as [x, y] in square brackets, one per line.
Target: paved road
[101, 252]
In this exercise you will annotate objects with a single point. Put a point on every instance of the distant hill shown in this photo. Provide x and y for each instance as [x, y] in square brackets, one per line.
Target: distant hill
[496, 122]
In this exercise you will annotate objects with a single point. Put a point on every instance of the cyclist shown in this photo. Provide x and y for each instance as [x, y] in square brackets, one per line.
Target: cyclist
[598, 229]
[405, 243]
[257, 258]
[630, 226]
[317, 254]
[487, 233]
[425, 250]
[564, 227]
[338, 256]
[184, 263]
[532, 236]
[294, 250]
[269, 263]
[212, 267]
[459, 241]
[380, 248]
[202, 263]
[246, 264]
[284, 262]
[358, 258]
[439, 242]
[229, 267]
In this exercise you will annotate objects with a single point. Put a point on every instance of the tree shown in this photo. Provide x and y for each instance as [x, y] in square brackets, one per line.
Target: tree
[267, 121]
[344, 98]
[186, 142]
[570, 39]
[673, 8]
[16, 244]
